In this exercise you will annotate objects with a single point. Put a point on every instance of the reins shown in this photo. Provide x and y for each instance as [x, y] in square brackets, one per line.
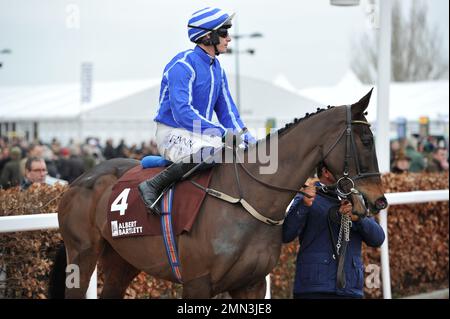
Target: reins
[350, 152]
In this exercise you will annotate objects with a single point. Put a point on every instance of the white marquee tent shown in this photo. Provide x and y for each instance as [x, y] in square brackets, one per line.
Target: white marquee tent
[56, 110]
[408, 100]
[125, 109]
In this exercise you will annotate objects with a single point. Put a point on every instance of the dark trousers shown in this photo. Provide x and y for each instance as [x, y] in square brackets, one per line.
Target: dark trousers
[319, 295]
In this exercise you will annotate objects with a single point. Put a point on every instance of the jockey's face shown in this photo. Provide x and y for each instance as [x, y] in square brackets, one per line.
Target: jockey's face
[223, 45]
[224, 40]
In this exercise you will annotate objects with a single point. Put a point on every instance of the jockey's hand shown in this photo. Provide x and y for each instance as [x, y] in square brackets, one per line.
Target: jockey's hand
[311, 191]
[229, 139]
[346, 208]
[248, 138]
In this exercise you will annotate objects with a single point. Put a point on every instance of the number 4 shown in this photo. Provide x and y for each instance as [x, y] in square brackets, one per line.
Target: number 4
[120, 203]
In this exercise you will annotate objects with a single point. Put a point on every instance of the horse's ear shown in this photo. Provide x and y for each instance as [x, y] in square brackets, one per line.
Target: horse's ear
[359, 107]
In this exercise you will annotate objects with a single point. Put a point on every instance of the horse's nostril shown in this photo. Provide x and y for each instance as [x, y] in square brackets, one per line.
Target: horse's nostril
[381, 203]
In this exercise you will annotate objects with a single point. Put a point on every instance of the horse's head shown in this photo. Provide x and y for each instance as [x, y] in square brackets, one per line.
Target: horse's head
[351, 157]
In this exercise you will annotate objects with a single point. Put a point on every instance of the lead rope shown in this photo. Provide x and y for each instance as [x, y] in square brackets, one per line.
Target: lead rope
[344, 231]
[346, 224]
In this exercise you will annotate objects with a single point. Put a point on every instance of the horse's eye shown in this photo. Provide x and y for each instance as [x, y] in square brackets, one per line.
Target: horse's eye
[367, 141]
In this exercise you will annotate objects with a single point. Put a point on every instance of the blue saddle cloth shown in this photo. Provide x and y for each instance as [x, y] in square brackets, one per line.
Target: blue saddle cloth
[151, 161]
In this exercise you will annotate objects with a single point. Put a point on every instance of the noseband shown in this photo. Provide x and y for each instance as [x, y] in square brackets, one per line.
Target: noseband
[350, 152]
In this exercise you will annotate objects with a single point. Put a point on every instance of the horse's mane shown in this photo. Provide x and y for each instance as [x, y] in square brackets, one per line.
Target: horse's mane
[296, 121]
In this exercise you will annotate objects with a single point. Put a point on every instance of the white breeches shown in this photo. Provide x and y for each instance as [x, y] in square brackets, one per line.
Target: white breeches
[174, 144]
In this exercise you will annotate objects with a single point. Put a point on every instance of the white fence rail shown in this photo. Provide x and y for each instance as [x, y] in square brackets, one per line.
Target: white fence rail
[398, 199]
[50, 221]
[10, 224]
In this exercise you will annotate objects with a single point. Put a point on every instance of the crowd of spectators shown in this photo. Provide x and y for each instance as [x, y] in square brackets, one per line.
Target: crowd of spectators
[67, 162]
[22, 162]
[426, 154]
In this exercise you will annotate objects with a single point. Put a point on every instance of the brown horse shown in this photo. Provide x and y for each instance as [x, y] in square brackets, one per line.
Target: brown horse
[227, 249]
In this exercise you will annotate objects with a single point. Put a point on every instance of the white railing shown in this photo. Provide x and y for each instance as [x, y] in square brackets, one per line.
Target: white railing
[10, 224]
[397, 199]
[50, 221]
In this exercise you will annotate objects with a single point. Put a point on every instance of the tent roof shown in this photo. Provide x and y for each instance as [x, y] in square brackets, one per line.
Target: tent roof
[410, 100]
[139, 99]
[62, 100]
[261, 100]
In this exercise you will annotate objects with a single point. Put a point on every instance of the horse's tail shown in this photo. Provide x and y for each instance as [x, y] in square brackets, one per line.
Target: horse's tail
[57, 284]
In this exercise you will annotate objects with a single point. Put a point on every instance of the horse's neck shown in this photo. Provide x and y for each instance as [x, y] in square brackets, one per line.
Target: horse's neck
[293, 159]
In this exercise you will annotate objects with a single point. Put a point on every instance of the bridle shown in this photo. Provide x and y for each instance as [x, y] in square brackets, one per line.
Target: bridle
[350, 152]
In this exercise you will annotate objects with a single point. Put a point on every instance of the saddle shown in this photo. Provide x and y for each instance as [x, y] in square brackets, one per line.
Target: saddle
[128, 215]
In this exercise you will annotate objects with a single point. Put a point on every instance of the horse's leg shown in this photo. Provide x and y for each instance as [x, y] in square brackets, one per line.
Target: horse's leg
[117, 274]
[198, 288]
[255, 291]
[81, 264]
[82, 239]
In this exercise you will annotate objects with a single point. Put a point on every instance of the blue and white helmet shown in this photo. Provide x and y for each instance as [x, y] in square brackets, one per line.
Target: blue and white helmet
[206, 20]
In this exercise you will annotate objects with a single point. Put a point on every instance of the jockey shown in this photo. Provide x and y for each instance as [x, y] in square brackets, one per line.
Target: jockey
[193, 87]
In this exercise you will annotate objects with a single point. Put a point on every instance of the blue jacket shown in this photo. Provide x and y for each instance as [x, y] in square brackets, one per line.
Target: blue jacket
[316, 269]
[194, 86]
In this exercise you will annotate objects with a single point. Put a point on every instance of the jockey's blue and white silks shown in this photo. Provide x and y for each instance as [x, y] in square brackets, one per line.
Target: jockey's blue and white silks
[206, 19]
[194, 86]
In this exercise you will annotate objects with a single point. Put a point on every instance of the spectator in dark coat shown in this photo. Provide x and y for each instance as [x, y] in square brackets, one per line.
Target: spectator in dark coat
[121, 150]
[11, 175]
[70, 165]
[109, 151]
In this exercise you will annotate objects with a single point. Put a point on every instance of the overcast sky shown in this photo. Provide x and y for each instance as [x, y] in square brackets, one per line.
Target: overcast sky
[308, 41]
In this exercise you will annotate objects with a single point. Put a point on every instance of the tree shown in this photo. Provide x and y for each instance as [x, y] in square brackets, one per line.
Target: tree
[417, 53]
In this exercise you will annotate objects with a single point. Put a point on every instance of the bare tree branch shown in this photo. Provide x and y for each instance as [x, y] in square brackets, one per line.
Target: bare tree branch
[417, 52]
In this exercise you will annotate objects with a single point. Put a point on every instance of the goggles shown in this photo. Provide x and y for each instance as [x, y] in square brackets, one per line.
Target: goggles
[223, 32]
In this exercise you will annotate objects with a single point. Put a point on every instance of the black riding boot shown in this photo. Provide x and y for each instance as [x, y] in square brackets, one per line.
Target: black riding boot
[153, 187]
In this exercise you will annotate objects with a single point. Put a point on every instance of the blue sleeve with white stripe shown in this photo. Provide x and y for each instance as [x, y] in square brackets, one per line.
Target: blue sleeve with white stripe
[225, 108]
[181, 79]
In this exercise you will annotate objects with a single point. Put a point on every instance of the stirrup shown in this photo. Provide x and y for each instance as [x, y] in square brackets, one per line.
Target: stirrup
[155, 209]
